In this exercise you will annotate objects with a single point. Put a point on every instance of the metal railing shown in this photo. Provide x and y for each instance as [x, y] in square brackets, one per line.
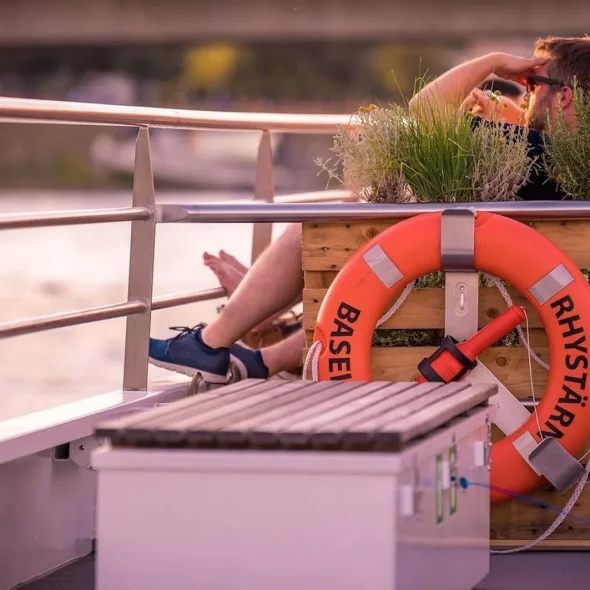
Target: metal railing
[144, 213]
[24, 110]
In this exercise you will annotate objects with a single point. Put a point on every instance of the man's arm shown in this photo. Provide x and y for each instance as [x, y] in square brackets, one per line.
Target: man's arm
[453, 87]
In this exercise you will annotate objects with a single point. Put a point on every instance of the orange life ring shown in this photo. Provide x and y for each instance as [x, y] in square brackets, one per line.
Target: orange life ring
[505, 248]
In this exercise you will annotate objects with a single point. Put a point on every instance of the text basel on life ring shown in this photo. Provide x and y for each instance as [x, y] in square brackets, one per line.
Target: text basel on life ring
[377, 273]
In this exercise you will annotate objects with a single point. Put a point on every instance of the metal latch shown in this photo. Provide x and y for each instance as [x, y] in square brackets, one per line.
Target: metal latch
[457, 248]
[555, 464]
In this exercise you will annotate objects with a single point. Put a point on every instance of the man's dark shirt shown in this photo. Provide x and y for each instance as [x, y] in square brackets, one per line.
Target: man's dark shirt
[539, 187]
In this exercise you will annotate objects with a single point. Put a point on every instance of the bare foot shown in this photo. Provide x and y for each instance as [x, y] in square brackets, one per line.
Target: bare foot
[233, 261]
[227, 275]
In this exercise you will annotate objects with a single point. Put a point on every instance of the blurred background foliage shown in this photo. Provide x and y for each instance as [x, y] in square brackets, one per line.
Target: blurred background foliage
[290, 76]
[314, 70]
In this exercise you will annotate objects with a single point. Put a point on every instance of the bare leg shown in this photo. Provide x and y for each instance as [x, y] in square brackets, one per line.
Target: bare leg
[285, 355]
[230, 273]
[273, 283]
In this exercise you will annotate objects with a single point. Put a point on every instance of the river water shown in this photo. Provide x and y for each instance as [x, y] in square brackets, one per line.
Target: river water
[51, 270]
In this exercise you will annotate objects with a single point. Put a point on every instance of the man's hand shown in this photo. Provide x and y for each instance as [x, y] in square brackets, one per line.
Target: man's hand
[513, 67]
[493, 108]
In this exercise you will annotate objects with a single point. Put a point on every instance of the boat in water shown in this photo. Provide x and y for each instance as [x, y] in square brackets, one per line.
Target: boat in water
[202, 158]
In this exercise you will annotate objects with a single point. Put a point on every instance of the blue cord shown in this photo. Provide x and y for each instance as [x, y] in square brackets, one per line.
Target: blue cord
[464, 483]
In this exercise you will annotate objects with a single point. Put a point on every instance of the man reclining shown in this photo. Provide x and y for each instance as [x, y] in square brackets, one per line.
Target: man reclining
[275, 281]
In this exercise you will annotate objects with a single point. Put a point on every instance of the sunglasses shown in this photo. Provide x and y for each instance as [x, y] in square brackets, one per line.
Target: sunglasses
[532, 81]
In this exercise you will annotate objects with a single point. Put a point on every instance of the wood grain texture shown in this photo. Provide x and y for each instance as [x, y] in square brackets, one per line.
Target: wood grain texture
[509, 365]
[547, 545]
[327, 247]
[425, 308]
[518, 520]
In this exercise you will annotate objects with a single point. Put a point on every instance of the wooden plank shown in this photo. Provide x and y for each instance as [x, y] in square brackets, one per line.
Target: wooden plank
[366, 396]
[402, 406]
[327, 246]
[266, 433]
[426, 410]
[308, 341]
[425, 308]
[380, 415]
[323, 391]
[170, 432]
[118, 428]
[547, 545]
[282, 396]
[170, 428]
[320, 416]
[232, 432]
[319, 280]
[435, 415]
[508, 364]
[237, 434]
[328, 420]
[516, 519]
[371, 418]
[538, 339]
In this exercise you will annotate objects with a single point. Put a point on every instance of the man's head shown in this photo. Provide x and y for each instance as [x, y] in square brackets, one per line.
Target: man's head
[550, 88]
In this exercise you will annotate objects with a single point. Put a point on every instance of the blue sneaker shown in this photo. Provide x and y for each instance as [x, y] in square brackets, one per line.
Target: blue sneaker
[186, 353]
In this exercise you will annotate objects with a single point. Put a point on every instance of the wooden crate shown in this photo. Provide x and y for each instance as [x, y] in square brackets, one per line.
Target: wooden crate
[326, 248]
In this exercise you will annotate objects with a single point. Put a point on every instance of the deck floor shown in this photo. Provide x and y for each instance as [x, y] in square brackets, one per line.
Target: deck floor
[542, 570]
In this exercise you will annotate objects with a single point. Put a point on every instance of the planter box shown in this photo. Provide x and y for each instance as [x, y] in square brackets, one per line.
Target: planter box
[327, 247]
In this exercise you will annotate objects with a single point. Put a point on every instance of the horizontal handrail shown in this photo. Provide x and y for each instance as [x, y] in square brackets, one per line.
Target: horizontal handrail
[327, 196]
[174, 299]
[23, 110]
[73, 318]
[73, 217]
[87, 216]
[288, 212]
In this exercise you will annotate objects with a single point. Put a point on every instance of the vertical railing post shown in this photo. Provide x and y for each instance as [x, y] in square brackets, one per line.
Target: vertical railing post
[141, 268]
[263, 191]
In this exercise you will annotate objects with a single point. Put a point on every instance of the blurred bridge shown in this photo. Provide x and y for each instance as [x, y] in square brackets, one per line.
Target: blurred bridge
[27, 22]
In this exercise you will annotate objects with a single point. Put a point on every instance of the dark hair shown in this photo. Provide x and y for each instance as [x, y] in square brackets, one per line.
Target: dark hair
[570, 59]
[507, 88]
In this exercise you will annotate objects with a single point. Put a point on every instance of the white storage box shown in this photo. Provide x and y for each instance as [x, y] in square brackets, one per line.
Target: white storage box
[265, 485]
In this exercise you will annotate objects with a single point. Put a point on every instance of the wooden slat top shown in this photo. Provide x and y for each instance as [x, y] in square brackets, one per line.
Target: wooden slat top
[302, 415]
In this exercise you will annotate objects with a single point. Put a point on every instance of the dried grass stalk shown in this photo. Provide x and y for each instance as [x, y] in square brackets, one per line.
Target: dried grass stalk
[568, 150]
[432, 155]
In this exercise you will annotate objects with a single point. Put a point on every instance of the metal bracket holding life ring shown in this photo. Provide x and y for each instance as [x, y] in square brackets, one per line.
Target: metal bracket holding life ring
[503, 248]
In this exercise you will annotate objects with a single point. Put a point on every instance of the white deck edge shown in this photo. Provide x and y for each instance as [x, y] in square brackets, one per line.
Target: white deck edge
[38, 431]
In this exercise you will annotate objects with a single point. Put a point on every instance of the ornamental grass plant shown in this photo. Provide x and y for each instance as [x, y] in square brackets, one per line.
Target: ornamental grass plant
[432, 154]
[428, 154]
[568, 150]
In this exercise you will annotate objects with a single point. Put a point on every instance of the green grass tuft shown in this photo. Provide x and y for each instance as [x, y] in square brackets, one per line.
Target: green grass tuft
[431, 155]
[568, 150]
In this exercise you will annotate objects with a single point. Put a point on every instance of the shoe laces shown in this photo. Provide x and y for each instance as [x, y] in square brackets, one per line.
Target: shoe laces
[183, 331]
